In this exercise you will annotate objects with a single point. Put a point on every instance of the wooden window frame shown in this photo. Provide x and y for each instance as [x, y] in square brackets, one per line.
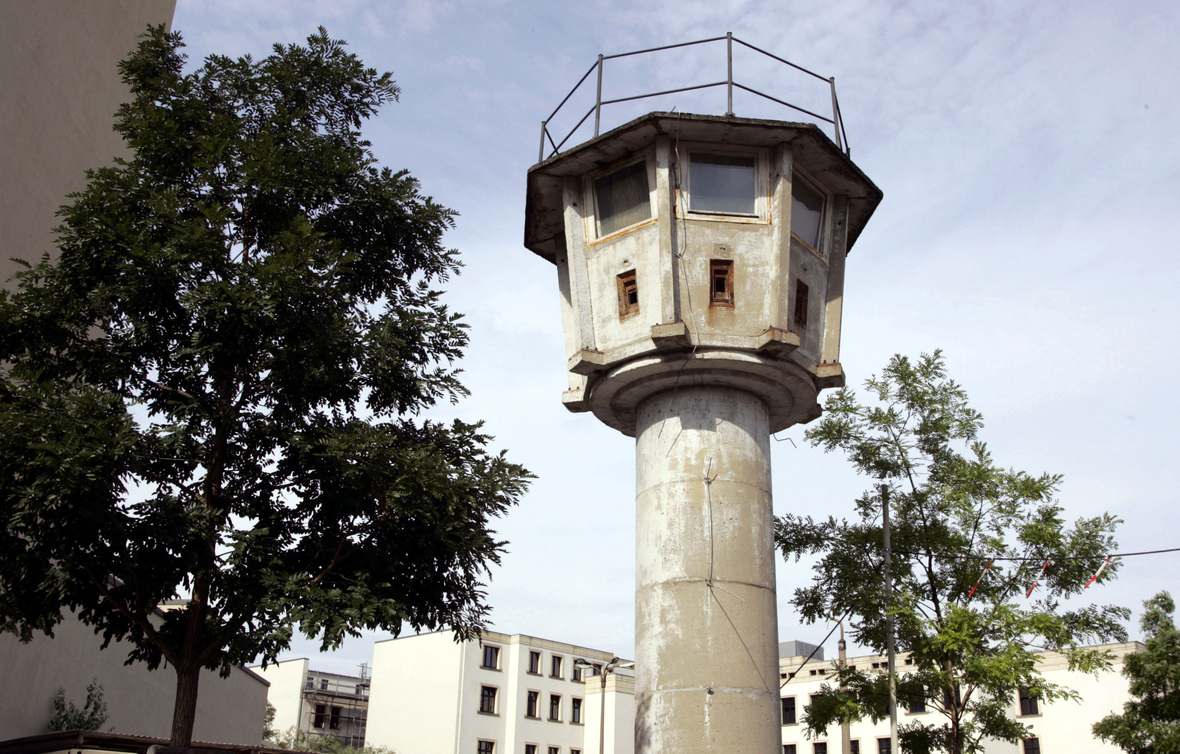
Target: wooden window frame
[717, 269]
[628, 284]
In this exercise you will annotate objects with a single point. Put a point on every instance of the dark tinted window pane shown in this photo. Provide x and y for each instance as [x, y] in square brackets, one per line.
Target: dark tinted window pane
[622, 198]
[722, 183]
[1032, 746]
[807, 210]
[789, 710]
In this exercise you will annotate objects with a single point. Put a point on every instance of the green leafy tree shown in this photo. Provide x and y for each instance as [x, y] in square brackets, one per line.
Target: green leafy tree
[952, 510]
[268, 722]
[92, 716]
[297, 740]
[214, 394]
[1150, 722]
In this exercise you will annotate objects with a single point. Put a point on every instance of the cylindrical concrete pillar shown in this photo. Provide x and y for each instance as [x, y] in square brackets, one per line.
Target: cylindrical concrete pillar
[706, 621]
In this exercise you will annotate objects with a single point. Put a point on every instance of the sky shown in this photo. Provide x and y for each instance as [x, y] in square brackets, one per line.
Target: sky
[1028, 156]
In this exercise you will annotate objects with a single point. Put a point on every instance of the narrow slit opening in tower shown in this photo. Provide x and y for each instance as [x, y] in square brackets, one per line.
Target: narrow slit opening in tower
[628, 294]
[721, 282]
[800, 304]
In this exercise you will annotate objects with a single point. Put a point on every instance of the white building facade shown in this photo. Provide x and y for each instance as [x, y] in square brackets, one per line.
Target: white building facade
[1061, 727]
[506, 694]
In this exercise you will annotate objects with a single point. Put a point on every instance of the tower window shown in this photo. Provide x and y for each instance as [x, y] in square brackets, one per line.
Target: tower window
[800, 304]
[723, 183]
[807, 213]
[721, 282]
[623, 198]
[628, 297]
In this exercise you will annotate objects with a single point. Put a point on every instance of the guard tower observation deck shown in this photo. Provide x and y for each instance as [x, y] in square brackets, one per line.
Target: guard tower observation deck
[700, 267]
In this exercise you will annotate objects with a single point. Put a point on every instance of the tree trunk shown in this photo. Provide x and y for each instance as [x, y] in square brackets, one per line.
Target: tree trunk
[184, 714]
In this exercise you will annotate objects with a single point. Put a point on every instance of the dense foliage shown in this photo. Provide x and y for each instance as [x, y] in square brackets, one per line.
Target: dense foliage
[1150, 722]
[213, 394]
[952, 511]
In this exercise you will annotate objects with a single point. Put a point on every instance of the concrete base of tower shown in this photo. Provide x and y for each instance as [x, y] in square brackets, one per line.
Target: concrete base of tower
[706, 624]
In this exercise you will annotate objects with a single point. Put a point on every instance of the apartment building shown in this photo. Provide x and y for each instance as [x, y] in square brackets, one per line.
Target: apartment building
[317, 703]
[1061, 727]
[504, 694]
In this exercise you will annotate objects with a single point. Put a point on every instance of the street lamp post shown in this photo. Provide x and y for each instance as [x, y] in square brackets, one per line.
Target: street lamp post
[610, 667]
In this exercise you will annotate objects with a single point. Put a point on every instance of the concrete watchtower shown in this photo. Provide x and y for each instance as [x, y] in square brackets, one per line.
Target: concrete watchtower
[700, 262]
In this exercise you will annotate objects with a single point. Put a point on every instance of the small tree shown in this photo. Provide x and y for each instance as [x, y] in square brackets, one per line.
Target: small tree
[1150, 723]
[212, 394]
[92, 716]
[953, 510]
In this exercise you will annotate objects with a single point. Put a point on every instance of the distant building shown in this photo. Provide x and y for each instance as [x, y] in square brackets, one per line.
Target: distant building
[1062, 727]
[139, 701]
[517, 694]
[505, 693]
[317, 703]
[60, 88]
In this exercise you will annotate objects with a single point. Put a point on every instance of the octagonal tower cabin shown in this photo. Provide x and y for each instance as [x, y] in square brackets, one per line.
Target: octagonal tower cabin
[700, 262]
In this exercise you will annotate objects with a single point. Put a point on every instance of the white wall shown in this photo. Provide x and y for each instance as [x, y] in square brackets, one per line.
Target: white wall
[139, 701]
[286, 691]
[414, 694]
[60, 88]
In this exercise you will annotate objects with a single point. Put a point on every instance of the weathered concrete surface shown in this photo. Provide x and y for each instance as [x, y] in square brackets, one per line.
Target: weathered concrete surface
[706, 625]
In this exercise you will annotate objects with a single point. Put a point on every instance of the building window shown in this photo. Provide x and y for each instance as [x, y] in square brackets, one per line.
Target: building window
[721, 282]
[487, 700]
[555, 667]
[576, 670]
[855, 746]
[801, 324]
[533, 704]
[554, 750]
[576, 710]
[486, 747]
[334, 720]
[819, 747]
[884, 746]
[788, 710]
[491, 657]
[807, 213]
[917, 706]
[575, 751]
[324, 684]
[788, 748]
[310, 684]
[535, 663]
[321, 714]
[628, 294]
[555, 707]
[1032, 746]
[530, 749]
[1028, 703]
[623, 198]
[597, 669]
[724, 184]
